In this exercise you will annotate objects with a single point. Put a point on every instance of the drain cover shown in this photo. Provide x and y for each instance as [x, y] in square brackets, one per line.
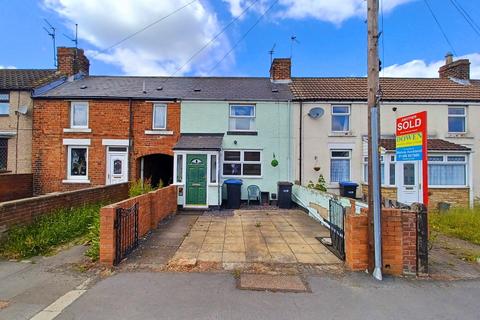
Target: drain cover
[267, 282]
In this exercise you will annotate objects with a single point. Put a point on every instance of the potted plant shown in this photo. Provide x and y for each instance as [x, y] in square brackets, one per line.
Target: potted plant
[274, 162]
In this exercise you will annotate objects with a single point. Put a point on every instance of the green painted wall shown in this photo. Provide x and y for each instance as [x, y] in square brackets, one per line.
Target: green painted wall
[274, 136]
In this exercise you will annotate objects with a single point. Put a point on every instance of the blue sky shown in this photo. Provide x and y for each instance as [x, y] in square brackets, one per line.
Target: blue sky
[331, 34]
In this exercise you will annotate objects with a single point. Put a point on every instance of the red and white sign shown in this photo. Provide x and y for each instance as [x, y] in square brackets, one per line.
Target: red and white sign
[412, 124]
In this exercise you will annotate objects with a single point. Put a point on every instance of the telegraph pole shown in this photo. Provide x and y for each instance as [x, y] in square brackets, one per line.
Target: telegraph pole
[374, 192]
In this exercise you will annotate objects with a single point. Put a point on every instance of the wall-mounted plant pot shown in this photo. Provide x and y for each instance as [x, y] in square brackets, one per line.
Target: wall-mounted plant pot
[274, 163]
[316, 168]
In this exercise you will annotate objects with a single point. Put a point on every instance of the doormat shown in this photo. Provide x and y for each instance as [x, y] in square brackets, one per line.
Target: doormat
[274, 283]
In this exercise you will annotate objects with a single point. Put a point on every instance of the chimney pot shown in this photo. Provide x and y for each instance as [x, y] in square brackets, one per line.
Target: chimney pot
[448, 58]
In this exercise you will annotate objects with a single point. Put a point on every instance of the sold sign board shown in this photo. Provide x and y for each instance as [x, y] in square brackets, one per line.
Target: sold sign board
[411, 144]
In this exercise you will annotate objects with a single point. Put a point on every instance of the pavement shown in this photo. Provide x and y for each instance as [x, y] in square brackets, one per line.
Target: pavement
[139, 295]
[28, 287]
[256, 236]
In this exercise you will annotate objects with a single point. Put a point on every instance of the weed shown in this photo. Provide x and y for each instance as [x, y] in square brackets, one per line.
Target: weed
[258, 224]
[48, 232]
[462, 223]
[139, 187]
[236, 273]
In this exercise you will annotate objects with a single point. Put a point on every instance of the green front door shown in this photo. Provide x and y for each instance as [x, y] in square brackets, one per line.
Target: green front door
[196, 179]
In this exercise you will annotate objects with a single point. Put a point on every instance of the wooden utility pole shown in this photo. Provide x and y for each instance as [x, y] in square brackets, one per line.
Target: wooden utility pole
[374, 192]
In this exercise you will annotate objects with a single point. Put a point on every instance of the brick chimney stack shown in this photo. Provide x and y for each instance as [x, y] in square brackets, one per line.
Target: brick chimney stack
[459, 69]
[281, 70]
[72, 61]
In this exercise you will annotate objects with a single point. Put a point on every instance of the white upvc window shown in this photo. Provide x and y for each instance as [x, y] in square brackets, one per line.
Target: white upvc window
[77, 166]
[447, 170]
[387, 170]
[457, 119]
[213, 169]
[340, 165]
[242, 163]
[79, 115]
[242, 118]
[179, 169]
[4, 103]
[340, 118]
[159, 116]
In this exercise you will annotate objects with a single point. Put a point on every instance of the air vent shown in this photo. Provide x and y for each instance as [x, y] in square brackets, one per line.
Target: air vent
[160, 88]
[274, 90]
[197, 90]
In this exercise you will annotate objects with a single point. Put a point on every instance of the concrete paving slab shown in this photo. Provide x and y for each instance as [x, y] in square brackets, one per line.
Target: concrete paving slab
[264, 282]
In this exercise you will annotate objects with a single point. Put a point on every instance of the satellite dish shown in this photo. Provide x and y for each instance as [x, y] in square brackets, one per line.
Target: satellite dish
[316, 112]
[23, 110]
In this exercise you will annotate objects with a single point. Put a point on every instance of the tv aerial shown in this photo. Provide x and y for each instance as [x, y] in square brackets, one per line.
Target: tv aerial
[271, 52]
[51, 31]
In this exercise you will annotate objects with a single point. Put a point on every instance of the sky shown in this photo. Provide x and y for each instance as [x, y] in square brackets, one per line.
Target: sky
[234, 37]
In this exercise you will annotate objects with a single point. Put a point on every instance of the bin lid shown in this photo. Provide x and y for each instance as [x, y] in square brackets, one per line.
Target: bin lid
[233, 181]
[348, 184]
[284, 183]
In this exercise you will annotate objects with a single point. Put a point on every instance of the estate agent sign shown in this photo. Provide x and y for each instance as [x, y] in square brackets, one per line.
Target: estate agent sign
[411, 144]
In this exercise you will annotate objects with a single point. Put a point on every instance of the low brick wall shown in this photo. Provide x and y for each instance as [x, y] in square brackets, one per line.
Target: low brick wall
[458, 197]
[153, 208]
[24, 211]
[15, 186]
[399, 241]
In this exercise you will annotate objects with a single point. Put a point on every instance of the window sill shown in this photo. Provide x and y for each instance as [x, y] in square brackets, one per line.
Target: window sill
[76, 181]
[159, 132]
[241, 177]
[77, 130]
[458, 136]
[341, 134]
[242, 133]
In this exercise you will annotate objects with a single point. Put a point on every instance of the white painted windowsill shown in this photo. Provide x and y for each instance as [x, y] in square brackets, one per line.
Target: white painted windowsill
[76, 181]
[159, 132]
[77, 130]
[341, 134]
[458, 135]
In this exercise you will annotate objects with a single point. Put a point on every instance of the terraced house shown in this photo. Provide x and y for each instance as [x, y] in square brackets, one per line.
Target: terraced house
[331, 133]
[193, 132]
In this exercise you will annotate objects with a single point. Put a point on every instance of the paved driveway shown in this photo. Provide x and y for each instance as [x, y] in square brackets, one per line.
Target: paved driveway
[265, 236]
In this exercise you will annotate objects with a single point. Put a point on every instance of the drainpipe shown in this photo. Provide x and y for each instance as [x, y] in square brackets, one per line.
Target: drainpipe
[289, 162]
[130, 139]
[300, 144]
[470, 179]
[16, 136]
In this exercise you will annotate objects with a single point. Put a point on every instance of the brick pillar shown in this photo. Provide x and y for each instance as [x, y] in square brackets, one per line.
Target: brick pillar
[356, 241]
[409, 233]
[107, 235]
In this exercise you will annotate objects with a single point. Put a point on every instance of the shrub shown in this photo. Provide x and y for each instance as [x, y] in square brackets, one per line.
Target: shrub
[139, 187]
[321, 185]
[49, 231]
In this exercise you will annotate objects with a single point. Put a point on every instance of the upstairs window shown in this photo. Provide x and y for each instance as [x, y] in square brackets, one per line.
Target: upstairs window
[340, 118]
[159, 116]
[4, 103]
[242, 118]
[340, 165]
[79, 115]
[3, 154]
[457, 117]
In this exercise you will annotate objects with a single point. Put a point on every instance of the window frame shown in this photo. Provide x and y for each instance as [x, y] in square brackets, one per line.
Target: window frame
[7, 102]
[445, 161]
[213, 175]
[69, 164]
[154, 107]
[386, 161]
[72, 113]
[464, 116]
[349, 158]
[348, 114]
[231, 116]
[242, 161]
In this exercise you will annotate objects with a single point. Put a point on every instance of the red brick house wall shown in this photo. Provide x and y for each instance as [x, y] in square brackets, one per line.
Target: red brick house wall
[15, 186]
[108, 119]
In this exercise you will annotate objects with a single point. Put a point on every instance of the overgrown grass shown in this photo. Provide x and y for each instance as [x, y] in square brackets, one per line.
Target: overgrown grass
[462, 223]
[52, 230]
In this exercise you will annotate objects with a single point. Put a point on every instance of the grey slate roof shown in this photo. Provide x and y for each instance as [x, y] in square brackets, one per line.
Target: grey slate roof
[199, 141]
[186, 88]
[25, 79]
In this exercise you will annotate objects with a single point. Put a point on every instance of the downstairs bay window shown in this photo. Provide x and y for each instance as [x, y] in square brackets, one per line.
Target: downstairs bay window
[447, 170]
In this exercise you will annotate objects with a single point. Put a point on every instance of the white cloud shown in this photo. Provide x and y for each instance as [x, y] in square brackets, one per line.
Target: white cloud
[7, 67]
[236, 7]
[422, 69]
[334, 11]
[159, 50]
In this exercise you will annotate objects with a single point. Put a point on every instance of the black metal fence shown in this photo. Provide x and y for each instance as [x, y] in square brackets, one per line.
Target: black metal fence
[422, 237]
[336, 217]
[126, 226]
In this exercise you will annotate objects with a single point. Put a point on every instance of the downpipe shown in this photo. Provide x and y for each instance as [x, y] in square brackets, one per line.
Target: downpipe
[377, 271]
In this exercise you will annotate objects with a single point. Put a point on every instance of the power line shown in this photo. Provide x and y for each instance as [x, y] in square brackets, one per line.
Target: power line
[243, 36]
[440, 27]
[466, 16]
[144, 28]
[210, 41]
